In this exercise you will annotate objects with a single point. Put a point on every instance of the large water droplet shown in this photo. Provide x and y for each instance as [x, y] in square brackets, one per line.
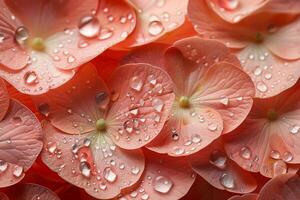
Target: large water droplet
[229, 4]
[51, 147]
[294, 129]
[155, 28]
[218, 159]
[275, 154]
[136, 83]
[18, 171]
[109, 175]
[89, 26]
[30, 78]
[261, 87]
[21, 34]
[157, 104]
[3, 165]
[85, 169]
[227, 181]
[287, 156]
[162, 184]
[245, 153]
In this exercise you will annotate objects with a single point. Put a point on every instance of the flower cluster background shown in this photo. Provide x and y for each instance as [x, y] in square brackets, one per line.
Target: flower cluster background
[149, 99]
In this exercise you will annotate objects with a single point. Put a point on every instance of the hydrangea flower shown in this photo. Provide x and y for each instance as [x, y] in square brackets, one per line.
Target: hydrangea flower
[267, 141]
[267, 48]
[20, 139]
[94, 135]
[213, 95]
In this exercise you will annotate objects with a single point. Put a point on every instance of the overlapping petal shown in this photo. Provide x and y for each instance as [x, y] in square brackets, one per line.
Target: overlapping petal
[4, 100]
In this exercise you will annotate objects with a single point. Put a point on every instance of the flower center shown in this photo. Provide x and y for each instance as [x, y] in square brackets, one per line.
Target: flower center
[184, 102]
[272, 115]
[37, 44]
[101, 125]
[259, 38]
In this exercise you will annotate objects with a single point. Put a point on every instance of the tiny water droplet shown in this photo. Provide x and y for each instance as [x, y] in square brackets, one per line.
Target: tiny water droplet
[262, 87]
[136, 83]
[178, 150]
[287, 156]
[3, 165]
[212, 127]
[85, 169]
[245, 153]
[196, 139]
[109, 175]
[105, 34]
[157, 104]
[294, 129]
[18, 171]
[162, 184]
[51, 147]
[224, 101]
[135, 170]
[275, 154]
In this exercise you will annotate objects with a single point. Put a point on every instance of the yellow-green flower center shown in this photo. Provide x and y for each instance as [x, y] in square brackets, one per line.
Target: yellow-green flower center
[101, 125]
[272, 115]
[184, 102]
[37, 44]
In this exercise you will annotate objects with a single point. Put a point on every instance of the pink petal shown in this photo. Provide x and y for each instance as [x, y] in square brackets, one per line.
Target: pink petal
[211, 26]
[245, 197]
[12, 55]
[284, 42]
[117, 21]
[154, 19]
[187, 132]
[29, 191]
[233, 11]
[20, 144]
[214, 166]
[33, 80]
[92, 162]
[281, 187]
[164, 178]
[261, 145]
[3, 196]
[143, 96]
[4, 99]
[282, 6]
[270, 74]
[75, 107]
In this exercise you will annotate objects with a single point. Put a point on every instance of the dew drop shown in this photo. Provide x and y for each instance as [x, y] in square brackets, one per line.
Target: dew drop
[261, 87]
[71, 59]
[218, 159]
[136, 83]
[18, 171]
[145, 196]
[30, 78]
[135, 170]
[227, 181]
[85, 169]
[287, 156]
[178, 150]
[212, 127]
[89, 26]
[245, 153]
[275, 154]
[162, 184]
[109, 175]
[105, 34]
[21, 34]
[51, 147]
[43, 108]
[294, 129]
[196, 139]
[87, 142]
[224, 101]
[3, 165]
[157, 104]
[101, 97]
[229, 5]
[155, 28]
[151, 79]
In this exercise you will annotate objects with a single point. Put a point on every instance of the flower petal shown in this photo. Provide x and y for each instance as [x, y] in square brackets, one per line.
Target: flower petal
[164, 178]
[92, 162]
[12, 55]
[233, 11]
[20, 143]
[282, 6]
[4, 99]
[154, 19]
[29, 191]
[220, 171]
[270, 74]
[245, 197]
[187, 132]
[284, 42]
[143, 96]
[38, 77]
[3, 196]
[73, 107]
[281, 187]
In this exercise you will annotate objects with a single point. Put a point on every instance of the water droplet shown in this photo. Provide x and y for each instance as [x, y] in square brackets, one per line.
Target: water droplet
[237, 18]
[89, 26]
[162, 184]
[71, 59]
[287, 156]
[218, 159]
[175, 135]
[43, 108]
[109, 175]
[85, 169]
[135, 170]
[227, 181]
[261, 87]
[245, 153]
[51, 147]
[224, 101]
[21, 34]
[212, 127]
[145, 196]
[18, 171]
[257, 71]
[105, 34]
[136, 83]
[196, 139]
[157, 104]
[3, 165]
[268, 76]
[178, 150]
[128, 126]
[294, 129]
[87, 142]
[229, 4]
[275, 154]
[151, 79]
[30, 78]
[17, 120]
[155, 28]
[101, 97]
